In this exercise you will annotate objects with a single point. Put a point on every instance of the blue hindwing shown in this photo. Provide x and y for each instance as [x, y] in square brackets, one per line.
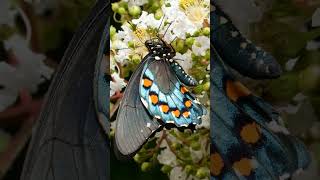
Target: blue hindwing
[166, 98]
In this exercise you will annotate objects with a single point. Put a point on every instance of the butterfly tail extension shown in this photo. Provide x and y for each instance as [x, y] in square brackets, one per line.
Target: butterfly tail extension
[236, 50]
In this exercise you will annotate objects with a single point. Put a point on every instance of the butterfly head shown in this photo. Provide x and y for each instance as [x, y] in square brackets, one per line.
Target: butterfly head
[160, 48]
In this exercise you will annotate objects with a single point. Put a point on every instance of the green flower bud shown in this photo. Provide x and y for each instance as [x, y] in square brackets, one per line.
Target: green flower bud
[131, 44]
[188, 169]
[195, 146]
[180, 45]
[122, 10]
[194, 57]
[207, 55]
[197, 33]
[195, 137]
[155, 6]
[198, 89]
[206, 31]
[146, 166]
[158, 14]
[309, 79]
[115, 7]
[134, 11]
[136, 58]
[202, 173]
[112, 133]
[185, 152]
[166, 169]
[206, 86]
[284, 88]
[113, 31]
[176, 145]
[190, 41]
[123, 4]
[137, 158]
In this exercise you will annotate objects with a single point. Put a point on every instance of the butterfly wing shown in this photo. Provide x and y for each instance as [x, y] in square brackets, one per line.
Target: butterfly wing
[237, 51]
[134, 124]
[166, 98]
[247, 135]
[182, 75]
[67, 141]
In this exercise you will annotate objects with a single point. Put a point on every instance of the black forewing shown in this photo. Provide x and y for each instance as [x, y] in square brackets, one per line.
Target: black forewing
[134, 124]
[68, 142]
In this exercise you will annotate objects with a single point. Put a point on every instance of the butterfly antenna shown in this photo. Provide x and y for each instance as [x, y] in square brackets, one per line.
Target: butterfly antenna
[167, 29]
[161, 23]
[128, 48]
[178, 59]
[173, 39]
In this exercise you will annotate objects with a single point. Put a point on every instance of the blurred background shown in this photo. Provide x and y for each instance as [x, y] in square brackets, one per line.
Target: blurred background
[35, 33]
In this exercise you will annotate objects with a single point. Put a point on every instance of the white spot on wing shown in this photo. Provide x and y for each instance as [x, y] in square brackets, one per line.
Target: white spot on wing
[275, 127]
[144, 102]
[284, 176]
[234, 33]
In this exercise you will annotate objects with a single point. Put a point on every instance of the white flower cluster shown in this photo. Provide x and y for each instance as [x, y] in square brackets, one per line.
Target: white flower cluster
[29, 70]
[180, 19]
[167, 157]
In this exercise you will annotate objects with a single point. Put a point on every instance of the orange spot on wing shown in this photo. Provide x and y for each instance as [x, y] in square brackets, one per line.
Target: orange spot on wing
[176, 113]
[188, 103]
[236, 90]
[186, 114]
[164, 108]
[250, 133]
[154, 99]
[216, 164]
[183, 89]
[147, 83]
[244, 166]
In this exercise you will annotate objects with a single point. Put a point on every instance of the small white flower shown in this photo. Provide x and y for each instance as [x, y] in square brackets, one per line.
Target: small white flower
[205, 121]
[185, 60]
[118, 45]
[26, 75]
[177, 173]
[291, 63]
[201, 45]
[122, 56]
[117, 84]
[167, 157]
[196, 155]
[136, 2]
[146, 20]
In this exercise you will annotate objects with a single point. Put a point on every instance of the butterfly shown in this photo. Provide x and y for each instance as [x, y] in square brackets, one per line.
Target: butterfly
[248, 138]
[156, 96]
